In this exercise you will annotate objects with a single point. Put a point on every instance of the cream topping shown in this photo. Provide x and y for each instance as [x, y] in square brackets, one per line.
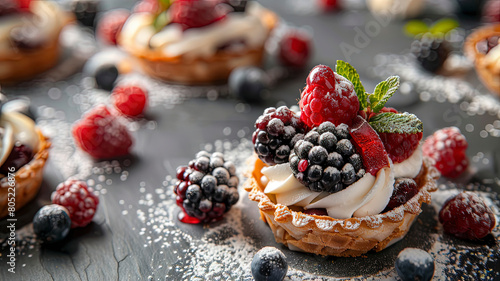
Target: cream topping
[492, 58]
[16, 128]
[197, 42]
[410, 167]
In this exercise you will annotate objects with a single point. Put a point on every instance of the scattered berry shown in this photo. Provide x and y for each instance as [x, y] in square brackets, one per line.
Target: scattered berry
[325, 160]
[404, 190]
[400, 147]
[369, 146]
[277, 131]
[268, 264]
[18, 157]
[129, 100]
[110, 25]
[295, 49]
[328, 5]
[100, 134]
[78, 199]
[197, 13]
[447, 147]
[466, 216]
[414, 264]
[491, 11]
[328, 97]
[431, 52]
[248, 83]
[207, 188]
[105, 77]
[85, 11]
[52, 223]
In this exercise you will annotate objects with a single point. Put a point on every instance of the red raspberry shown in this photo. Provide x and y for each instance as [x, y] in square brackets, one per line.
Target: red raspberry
[129, 100]
[100, 134]
[111, 24]
[447, 147]
[197, 13]
[400, 147]
[329, 5]
[466, 216]
[404, 190]
[295, 48]
[328, 97]
[79, 199]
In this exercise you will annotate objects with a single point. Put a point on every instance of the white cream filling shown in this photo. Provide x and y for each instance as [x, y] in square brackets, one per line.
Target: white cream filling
[492, 59]
[17, 128]
[197, 42]
[410, 167]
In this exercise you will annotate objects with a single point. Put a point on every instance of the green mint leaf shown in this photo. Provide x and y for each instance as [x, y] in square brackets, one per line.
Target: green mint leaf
[441, 27]
[161, 20]
[400, 123]
[345, 69]
[383, 91]
[415, 27]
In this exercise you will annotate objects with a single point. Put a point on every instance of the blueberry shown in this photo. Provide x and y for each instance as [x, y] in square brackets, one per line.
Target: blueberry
[348, 174]
[331, 176]
[19, 104]
[269, 264]
[51, 223]
[414, 264]
[105, 77]
[248, 84]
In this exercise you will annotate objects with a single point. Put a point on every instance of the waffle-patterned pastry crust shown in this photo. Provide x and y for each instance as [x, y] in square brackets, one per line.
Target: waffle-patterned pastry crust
[324, 235]
[27, 179]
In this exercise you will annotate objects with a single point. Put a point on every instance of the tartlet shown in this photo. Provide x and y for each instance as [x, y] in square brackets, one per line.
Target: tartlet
[214, 63]
[486, 60]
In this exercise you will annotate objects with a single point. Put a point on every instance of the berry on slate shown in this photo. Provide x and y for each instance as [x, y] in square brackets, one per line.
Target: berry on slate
[404, 190]
[447, 148]
[193, 14]
[295, 49]
[110, 26]
[414, 264]
[277, 131]
[430, 52]
[78, 199]
[101, 134]
[248, 83]
[207, 188]
[466, 216]
[325, 160]
[129, 100]
[329, 5]
[105, 77]
[52, 223]
[269, 264]
[328, 96]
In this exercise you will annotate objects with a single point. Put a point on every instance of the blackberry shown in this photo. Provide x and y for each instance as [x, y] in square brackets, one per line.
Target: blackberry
[414, 264]
[207, 187]
[277, 131]
[326, 160]
[18, 157]
[431, 52]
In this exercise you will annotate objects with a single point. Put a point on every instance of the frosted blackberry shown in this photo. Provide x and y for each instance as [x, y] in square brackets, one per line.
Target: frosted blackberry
[326, 160]
[207, 187]
[277, 131]
[430, 52]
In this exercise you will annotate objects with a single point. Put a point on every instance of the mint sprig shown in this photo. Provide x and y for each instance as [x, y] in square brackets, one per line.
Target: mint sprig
[400, 123]
[348, 71]
[383, 92]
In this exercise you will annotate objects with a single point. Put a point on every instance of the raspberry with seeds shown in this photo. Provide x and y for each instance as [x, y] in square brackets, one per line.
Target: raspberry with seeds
[328, 96]
[129, 100]
[295, 49]
[110, 26]
[466, 216]
[101, 134]
[197, 13]
[404, 190]
[447, 148]
[78, 199]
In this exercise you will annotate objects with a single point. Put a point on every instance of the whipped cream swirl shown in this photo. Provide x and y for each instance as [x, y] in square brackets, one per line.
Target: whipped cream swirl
[16, 127]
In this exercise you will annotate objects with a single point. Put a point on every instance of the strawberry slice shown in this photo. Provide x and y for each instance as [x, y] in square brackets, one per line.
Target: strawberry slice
[369, 145]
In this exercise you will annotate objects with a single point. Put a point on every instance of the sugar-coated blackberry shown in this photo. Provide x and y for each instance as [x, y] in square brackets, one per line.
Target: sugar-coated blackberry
[326, 160]
[277, 131]
[207, 187]
[431, 52]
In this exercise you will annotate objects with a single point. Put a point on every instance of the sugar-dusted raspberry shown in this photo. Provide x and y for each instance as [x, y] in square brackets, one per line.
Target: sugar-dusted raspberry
[328, 97]
[466, 216]
[78, 199]
[400, 147]
[447, 147]
[101, 134]
[129, 100]
[404, 190]
[197, 13]
[295, 48]
[110, 25]
[276, 132]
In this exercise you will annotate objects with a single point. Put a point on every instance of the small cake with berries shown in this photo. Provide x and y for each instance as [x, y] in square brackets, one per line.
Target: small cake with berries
[196, 42]
[24, 151]
[29, 38]
[482, 47]
[346, 174]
